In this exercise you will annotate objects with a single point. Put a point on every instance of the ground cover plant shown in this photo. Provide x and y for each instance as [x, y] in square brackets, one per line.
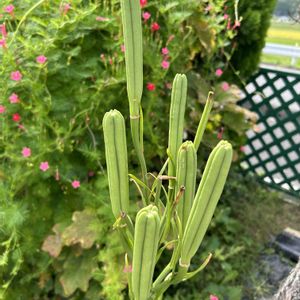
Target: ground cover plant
[62, 67]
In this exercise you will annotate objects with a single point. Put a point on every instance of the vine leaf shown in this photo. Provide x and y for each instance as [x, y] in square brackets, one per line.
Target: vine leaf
[78, 270]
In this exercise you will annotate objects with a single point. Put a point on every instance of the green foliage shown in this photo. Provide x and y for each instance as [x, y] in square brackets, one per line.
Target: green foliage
[61, 105]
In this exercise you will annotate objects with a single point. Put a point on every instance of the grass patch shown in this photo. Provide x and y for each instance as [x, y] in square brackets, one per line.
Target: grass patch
[284, 34]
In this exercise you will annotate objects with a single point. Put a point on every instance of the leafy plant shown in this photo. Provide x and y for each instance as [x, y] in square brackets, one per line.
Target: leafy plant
[145, 242]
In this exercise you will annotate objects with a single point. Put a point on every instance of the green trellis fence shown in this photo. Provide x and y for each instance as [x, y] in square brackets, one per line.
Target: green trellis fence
[273, 149]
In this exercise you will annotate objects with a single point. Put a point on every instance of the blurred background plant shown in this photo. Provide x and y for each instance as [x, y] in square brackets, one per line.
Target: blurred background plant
[62, 68]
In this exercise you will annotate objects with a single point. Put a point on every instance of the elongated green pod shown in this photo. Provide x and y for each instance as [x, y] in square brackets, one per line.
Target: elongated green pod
[203, 121]
[206, 199]
[116, 160]
[144, 251]
[186, 176]
[132, 30]
[176, 123]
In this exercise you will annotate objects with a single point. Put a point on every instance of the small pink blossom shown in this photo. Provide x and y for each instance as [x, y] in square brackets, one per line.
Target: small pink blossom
[225, 86]
[26, 152]
[75, 184]
[208, 8]
[219, 72]
[155, 27]
[143, 3]
[123, 48]
[165, 64]
[16, 117]
[127, 269]
[41, 59]
[2, 109]
[44, 166]
[146, 15]
[226, 16]
[14, 98]
[212, 297]
[65, 8]
[170, 39]
[165, 51]
[237, 24]
[2, 43]
[151, 86]
[9, 8]
[220, 133]
[22, 127]
[102, 19]
[242, 148]
[16, 76]
[3, 30]
[228, 24]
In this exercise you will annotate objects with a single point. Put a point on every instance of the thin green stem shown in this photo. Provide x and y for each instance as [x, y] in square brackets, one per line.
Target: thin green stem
[203, 121]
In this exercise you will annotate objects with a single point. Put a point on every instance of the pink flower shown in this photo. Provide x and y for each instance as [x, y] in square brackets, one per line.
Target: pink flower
[208, 8]
[102, 19]
[3, 43]
[219, 72]
[170, 38]
[41, 59]
[9, 8]
[65, 8]
[165, 64]
[127, 269]
[14, 98]
[75, 184]
[151, 86]
[146, 15]
[226, 16]
[220, 133]
[143, 3]
[155, 27]
[123, 48]
[2, 109]
[225, 86]
[237, 23]
[212, 297]
[165, 51]
[228, 24]
[3, 30]
[16, 76]
[44, 166]
[26, 152]
[16, 117]
[242, 148]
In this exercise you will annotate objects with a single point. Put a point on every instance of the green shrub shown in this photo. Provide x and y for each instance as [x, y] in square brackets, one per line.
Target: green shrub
[251, 36]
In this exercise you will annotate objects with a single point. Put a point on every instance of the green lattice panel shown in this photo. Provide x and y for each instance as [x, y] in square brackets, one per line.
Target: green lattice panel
[273, 150]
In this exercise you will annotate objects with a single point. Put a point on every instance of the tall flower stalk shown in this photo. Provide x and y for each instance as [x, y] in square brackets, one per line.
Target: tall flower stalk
[177, 218]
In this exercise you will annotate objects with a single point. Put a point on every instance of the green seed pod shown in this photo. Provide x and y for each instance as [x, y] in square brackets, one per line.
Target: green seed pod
[144, 251]
[186, 176]
[132, 30]
[206, 199]
[177, 111]
[116, 160]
